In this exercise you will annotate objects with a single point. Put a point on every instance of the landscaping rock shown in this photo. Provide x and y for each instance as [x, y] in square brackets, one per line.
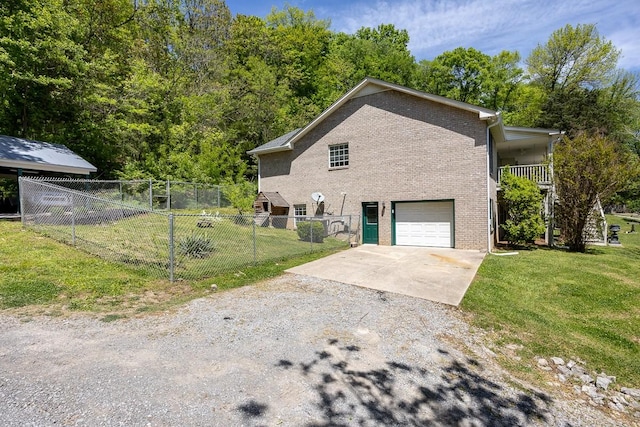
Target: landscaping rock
[564, 370]
[571, 364]
[561, 378]
[577, 371]
[617, 407]
[543, 362]
[619, 398]
[557, 360]
[633, 392]
[603, 382]
[586, 378]
[591, 391]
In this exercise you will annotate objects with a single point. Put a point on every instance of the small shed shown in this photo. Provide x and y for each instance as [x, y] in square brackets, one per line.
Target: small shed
[270, 204]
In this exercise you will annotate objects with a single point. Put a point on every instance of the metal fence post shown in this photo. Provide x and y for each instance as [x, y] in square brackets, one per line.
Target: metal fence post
[255, 252]
[21, 197]
[349, 230]
[218, 196]
[73, 219]
[311, 235]
[171, 248]
[195, 190]
[150, 194]
[168, 195]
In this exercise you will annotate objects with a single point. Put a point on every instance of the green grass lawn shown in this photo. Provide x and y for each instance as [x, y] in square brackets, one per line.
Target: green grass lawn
[40, 275]
[143, 241]
[571, 305]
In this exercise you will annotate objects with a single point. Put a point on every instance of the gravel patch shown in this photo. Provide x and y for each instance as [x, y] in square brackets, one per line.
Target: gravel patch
[293, 351]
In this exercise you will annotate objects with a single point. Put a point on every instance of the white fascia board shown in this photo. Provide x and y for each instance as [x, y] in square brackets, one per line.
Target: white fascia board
[286, 147]
[46, 167]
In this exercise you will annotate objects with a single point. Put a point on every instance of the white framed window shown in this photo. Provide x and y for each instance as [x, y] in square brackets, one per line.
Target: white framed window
[300, 213]
[339, 155]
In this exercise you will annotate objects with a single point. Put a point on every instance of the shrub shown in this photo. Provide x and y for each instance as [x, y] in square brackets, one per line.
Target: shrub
[524, 202]
[587, 168]
[309, 229]
[196, 246]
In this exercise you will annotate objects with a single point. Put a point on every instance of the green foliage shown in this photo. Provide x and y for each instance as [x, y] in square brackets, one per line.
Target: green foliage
[573, 58]
[523, 202]
[458, 74]
[372, 52]
[196, 246]
[310, 231]
[583, 89]
[180, 89]
[241, 194]
[470, 76]
[586, 168]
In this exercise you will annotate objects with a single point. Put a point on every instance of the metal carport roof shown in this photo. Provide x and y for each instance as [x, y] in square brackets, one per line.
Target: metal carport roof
[18, 153]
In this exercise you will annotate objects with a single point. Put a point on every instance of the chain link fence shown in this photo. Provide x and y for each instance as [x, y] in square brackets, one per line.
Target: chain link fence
[175, 245]
[148, 193]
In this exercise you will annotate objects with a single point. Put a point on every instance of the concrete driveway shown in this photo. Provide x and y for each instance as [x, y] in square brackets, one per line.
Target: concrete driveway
[441, 275]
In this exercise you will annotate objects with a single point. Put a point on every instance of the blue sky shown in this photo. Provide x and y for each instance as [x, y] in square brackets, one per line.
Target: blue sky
[436, 26]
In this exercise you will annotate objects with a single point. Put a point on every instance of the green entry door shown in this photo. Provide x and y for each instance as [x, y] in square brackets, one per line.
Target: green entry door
[370, 222]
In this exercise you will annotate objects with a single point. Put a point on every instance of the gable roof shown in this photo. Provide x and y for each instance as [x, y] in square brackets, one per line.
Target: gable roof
[18, 153]
[278, 142]
[275, 199]
[368, 86]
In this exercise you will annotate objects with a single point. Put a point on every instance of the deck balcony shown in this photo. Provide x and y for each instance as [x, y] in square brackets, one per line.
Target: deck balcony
[538, 173]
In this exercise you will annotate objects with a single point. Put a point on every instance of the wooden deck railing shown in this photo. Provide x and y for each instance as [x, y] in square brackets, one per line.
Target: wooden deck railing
[538, 173]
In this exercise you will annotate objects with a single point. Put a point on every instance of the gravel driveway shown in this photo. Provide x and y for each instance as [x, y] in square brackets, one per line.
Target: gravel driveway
[293, 351]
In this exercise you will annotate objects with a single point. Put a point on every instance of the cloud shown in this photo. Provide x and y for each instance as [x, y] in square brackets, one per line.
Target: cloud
[438, 25]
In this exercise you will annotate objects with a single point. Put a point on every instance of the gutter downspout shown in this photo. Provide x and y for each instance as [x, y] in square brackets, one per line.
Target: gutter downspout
[259, 175]
[499, 119]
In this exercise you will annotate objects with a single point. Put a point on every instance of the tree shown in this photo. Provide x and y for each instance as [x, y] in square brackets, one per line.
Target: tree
[241, 194]
[585, 168]
[503, 81]
[573, 58]
[379, 52]
[584, 91]
[458, 74]
[40, 59]
[469, 75]
[524, 203]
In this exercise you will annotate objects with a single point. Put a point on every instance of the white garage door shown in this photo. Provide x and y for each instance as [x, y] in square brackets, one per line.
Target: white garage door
[424, 224]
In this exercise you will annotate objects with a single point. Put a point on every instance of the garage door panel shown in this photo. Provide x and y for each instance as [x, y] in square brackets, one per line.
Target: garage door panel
[424, 224]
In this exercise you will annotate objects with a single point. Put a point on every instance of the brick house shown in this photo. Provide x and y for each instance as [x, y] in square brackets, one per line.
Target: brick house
[418, 169]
